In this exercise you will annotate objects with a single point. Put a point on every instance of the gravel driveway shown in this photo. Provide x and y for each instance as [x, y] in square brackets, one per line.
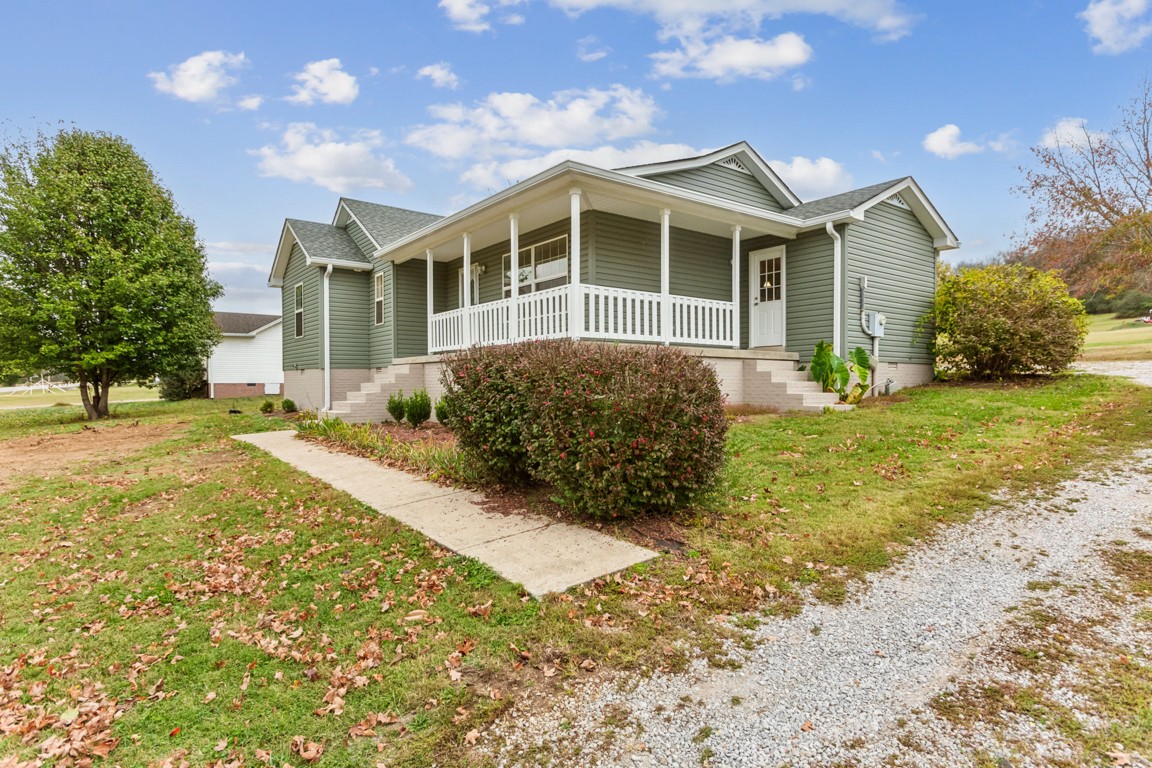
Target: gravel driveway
[866, 683]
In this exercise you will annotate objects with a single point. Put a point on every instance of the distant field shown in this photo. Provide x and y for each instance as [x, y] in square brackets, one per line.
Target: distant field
[72, 397]
[1112, 338]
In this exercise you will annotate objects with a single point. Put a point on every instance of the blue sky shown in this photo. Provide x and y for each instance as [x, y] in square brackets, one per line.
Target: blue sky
[252, 112]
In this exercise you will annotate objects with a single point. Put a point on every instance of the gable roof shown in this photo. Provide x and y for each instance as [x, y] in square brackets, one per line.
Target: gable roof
[384, 224]
[845, 201]
[741, 152]
[322, 244]
[243, 323]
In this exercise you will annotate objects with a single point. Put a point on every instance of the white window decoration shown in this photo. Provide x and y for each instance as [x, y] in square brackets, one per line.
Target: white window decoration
[299, 309]
[542, 266]
[898, 201]
[734, 164]
[379, 302]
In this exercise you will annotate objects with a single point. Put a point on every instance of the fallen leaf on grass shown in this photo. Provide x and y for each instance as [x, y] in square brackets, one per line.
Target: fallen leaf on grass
[309, 751]
[590, 665]
[210, 696]
[807, 726]
[471, 737]
[1120, 758]
[460, 716]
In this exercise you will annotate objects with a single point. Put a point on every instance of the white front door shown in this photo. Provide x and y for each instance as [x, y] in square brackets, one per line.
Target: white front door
[766, 290]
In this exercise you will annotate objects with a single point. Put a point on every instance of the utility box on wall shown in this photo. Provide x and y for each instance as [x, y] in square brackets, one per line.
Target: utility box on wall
[876, 322]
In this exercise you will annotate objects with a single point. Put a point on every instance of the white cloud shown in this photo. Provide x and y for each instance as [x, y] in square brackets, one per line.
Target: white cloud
[728, 58]
[813, 179]
[1069, 132]
[324, 81]
[318, 155]
[510, 124]
[201, 78]
[473, 15]
[440, 74]
[1117, 26]
[945, 142]
[589, 49]
[497, 174]
[678, 17]
[250, 102]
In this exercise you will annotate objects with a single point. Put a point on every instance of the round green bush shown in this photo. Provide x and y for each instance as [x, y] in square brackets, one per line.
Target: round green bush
[616, 430]
[267, 406]
[418, 408]
[1006, 320]
[1132, 304]
[288, 405]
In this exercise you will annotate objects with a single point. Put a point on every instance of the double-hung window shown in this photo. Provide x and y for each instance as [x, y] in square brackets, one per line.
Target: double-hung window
[299, 295]
[379, 303]
[542, 266]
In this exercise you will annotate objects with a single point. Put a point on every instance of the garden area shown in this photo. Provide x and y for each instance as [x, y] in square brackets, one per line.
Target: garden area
[170, 597]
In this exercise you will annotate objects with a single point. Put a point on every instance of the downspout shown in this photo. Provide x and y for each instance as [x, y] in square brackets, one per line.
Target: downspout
[837, 290]
[327, 344]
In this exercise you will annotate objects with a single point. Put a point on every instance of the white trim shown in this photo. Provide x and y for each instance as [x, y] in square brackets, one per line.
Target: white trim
[533, 249]
[576, 303]
[429, 293]
[355, 266]
[298, 310]
[251, 334]
[514, 273]
[353, 217]
[943, 237]
[733, 163]
[665, 271]
[466, 282]
[898, 201]
[378, 298]
[837, 287]
[736, 287]
[327, 341]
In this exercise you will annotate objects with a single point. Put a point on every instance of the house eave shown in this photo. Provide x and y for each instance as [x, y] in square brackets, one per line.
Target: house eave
[573, 173]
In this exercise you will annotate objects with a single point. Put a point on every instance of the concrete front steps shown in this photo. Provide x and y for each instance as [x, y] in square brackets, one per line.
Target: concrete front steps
[370, 402]
[777, 384]
[754, 378]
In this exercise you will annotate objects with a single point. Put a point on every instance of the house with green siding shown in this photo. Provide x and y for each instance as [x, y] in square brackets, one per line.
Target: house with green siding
[712, 253]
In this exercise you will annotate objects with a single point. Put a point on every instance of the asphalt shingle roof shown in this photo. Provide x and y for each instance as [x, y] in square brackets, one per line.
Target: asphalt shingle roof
[324, 241]
[387, 224]
[241, 322]
[842, 202]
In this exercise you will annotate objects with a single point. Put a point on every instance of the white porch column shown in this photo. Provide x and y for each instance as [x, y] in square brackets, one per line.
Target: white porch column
[576, 297]
[466, 305]
[665, 297]
[736, 287]
[429, 294]
[514, 262]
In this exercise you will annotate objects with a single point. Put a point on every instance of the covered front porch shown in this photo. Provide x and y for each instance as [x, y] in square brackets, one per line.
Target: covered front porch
[590, 262]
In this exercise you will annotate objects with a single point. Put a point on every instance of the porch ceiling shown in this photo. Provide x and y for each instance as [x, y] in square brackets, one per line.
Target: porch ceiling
[550, 202]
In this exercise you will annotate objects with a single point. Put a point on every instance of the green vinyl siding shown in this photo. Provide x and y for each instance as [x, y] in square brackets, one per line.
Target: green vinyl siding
[699, 265]
[894, 251]
[410, 316]
[626, 252]
[381, 337]
[725, 183]
[360, 237]
[807, 290]
[350, 318]
[303, 352]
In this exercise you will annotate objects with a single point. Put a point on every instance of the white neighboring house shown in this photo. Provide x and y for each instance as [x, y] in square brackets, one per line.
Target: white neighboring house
[248, 361]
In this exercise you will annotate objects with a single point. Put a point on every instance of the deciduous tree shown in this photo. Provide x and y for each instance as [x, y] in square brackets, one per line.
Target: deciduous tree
[1091, 195]
[101, 277]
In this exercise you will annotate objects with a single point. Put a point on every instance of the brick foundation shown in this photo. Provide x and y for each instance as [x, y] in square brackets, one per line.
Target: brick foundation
[222, 391]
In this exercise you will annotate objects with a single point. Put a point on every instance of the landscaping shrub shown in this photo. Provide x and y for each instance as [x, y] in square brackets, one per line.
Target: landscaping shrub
[1099, 304]
[288, 405]
[1132, 304]
[833, 373]
[267, 406]
[1005, 320]
[396, 406]
[418, 408]
[444, 410]
[616, 430]
[484, 386]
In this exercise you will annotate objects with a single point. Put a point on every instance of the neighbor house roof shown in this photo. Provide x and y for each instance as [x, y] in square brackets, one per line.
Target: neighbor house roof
[243, 323]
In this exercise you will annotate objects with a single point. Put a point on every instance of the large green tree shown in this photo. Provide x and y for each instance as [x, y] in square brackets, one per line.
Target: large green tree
[101, 277]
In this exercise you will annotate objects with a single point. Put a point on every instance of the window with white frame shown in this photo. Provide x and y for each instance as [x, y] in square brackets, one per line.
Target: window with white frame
[542, 266]
[299, 296]
[476, 270]
[379, 302]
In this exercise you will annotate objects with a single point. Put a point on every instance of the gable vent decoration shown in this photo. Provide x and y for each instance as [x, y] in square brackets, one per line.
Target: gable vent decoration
[734, 164]
[898, 201]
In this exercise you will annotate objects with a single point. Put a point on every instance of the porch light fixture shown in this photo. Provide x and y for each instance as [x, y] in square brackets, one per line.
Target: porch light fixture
[767, 283]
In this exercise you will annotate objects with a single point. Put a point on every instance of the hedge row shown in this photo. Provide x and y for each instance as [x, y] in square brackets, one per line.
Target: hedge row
[617, 430]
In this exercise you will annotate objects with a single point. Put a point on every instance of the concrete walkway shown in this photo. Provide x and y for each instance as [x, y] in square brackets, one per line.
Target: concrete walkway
[540, 554]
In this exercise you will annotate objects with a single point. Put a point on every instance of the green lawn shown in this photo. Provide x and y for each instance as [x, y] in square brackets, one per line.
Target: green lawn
[1113, 338]
[72, 397]
[223, 603]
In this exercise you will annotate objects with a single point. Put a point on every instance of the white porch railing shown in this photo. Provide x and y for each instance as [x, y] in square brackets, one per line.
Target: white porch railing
[609, 313]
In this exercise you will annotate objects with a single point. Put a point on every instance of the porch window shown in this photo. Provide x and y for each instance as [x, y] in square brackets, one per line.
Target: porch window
[379, 298]
[771, 279]
[543, 265]
[475, 286]
[299, 296]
